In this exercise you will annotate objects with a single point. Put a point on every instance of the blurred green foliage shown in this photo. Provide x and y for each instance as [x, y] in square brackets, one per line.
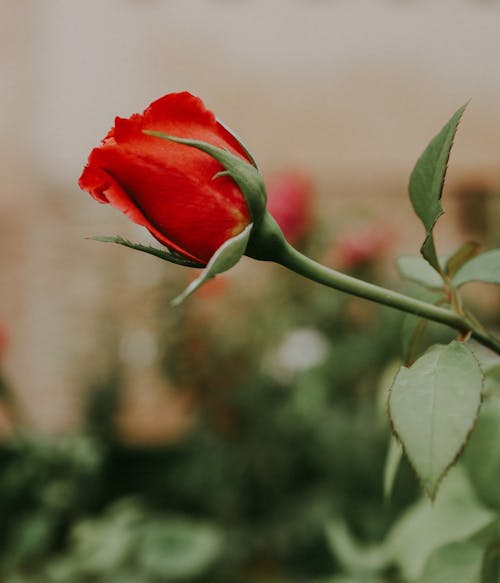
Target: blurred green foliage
[279, 479]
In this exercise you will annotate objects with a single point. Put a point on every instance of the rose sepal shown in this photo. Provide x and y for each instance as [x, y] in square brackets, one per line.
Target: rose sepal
[248, 154]
[170, 255]
[267, 242]
[245, 174]
[226, 256]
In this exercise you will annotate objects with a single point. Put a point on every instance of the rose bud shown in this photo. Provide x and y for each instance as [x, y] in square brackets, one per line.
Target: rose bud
[180, 194]
[180, 173]
[289, 200]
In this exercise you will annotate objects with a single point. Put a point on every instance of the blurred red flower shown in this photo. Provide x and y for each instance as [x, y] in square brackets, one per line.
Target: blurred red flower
[360, 245]
[167, 187]
[290, 198]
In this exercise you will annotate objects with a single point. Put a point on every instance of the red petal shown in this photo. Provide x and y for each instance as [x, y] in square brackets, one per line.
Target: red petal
[105, 189]
[169, 187]
[183, 109]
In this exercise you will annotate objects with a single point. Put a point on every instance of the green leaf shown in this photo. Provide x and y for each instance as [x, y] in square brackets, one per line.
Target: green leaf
[458, 259]
[354, 558]
[392, 461]
[482, 454]
[102, 544]
[427, 180]
[383, 387]
[227, 255]
[418, 270]
[433, 407]
[426, 526]
[170, 255]
[459, 562]
[484, 267]
[179, 549]
[31, 537]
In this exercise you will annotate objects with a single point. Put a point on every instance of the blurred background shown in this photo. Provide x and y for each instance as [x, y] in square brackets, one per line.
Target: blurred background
[255, 410]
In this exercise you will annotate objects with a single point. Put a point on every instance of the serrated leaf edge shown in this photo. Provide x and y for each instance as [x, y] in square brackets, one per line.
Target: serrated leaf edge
[432, 494]
[429, 239]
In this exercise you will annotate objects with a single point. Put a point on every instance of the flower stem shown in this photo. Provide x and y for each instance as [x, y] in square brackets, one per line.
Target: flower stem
[289, 257]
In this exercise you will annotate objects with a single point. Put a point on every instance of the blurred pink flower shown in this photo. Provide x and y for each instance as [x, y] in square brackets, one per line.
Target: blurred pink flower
[360, 245]
[290, 198]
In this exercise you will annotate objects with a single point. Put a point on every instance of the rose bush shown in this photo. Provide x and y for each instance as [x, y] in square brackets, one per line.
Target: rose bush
[171, 189]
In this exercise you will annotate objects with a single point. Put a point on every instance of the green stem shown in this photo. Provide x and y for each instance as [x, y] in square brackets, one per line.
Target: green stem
[289, 257]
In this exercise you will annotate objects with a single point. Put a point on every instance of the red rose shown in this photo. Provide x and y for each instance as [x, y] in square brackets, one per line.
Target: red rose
[168, 187]
[289, 200]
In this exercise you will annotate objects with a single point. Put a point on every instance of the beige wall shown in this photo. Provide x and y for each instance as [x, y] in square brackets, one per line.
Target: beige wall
[350, 90]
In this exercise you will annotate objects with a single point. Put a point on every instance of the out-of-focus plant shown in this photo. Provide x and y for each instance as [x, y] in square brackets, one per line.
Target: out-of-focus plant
[130, 543]
[44, 483]
[275, 453]
[279, 476]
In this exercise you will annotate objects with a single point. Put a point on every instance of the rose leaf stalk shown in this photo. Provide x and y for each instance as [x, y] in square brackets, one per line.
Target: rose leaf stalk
[267, 243]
